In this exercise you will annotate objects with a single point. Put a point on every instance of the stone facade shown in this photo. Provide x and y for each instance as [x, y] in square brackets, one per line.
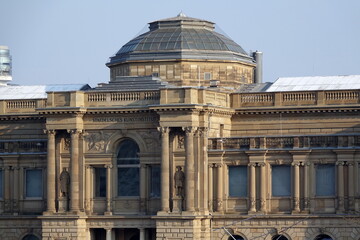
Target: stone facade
[252, 163]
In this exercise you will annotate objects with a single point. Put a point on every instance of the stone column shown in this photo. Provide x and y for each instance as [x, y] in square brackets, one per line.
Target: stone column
[16, 190]
[7, 193]
[351, 185]
[220, 188]
[88, 189]
[108, 190]
[143, 182]
[262, 187]
[74, 174]
[189, 169]
[142, 233]
[165, 169]
[205, 163]
[51, 171]
[306, 186]
[210, 190]
[252, 188]
[296, 181]
[340, 187]
[108, 233]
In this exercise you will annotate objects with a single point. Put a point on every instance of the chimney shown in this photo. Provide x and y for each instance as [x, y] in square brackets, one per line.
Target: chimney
[258, 57]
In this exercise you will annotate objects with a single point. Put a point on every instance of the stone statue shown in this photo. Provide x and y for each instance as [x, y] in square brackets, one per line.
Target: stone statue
[64, 183]
[179, 181]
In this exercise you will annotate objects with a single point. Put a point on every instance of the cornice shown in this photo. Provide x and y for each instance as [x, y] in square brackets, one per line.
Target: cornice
[61, 110]
[309, 110]
[22, 117]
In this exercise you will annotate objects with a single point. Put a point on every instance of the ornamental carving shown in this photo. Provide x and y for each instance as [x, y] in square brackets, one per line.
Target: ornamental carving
[180, 141]
[97, 141]
[67, 144]
[151, 139]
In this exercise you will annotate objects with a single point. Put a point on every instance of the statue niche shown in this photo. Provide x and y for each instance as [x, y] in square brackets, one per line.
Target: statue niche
[64, 181]
[179, 178]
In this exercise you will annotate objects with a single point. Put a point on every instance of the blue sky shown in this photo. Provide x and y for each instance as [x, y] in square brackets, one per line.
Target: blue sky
[70, 41]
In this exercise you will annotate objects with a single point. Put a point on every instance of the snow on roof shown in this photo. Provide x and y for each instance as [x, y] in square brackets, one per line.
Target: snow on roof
[315, 83]
[12, 92]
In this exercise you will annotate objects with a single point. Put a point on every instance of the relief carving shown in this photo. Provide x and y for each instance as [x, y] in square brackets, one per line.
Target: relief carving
[97, 141]
[180, 141]
[151, 139]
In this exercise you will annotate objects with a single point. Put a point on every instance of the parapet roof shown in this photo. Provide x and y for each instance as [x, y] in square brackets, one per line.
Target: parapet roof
[289, 84]
[13, 92]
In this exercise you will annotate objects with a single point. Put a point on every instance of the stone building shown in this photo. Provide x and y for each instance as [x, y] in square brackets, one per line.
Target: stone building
[183, 142]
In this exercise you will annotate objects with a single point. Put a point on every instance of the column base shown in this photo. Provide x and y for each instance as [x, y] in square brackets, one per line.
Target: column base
[340, 211]
[108, 213]
[252, 212]
[163, 213]
[49, 213]
[295, 212]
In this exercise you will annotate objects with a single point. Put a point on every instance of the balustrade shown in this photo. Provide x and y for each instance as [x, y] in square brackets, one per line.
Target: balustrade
[280, 142]
[34, 146]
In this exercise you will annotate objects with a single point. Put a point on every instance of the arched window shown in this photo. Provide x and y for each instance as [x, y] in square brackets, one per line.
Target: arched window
[128, 164]
[237, 237]
[30, 237]
[323, 237]
[279, 237]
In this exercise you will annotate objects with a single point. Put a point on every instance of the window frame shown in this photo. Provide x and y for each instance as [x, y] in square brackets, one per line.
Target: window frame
[1, 183]
[246, 183]
[334, 193]
[26, 185]
[151, 181]
[290, 181]
[96, 186]
[127, 166]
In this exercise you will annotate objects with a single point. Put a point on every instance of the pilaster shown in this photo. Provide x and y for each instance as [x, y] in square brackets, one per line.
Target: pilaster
[108, 190]
[74, 174]
[340, 187]
[165, 169]
[51, 172]
[189, 169]
[220, 188]
[252, 188]
[296, 180]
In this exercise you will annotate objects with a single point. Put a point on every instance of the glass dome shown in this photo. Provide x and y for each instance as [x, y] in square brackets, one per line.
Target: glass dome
[180, 38]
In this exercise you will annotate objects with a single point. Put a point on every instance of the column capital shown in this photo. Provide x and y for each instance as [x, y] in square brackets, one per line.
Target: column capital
[189, 130]
[350, 164]
[163, 130]
[108, 166]
[261, 164]
[203, 131]
[49, 131]
[340, 163]
[75, 131]
[88, 167]
[144, 166]
[218, 165]
[252, 164]
[296, 164]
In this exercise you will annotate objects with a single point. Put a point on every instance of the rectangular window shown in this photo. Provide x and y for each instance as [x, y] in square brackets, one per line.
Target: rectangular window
[34, 183]
[100, 182]
[325, 180]
[281, 180]
[207, 76]
[1, 184]
[155, 181]
[238, 181]
[128, 181]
